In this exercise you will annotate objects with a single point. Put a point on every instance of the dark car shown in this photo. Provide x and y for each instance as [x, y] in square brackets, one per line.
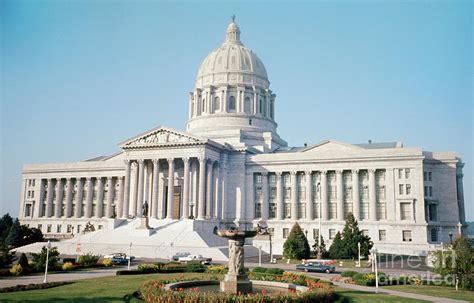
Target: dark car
[316, 267]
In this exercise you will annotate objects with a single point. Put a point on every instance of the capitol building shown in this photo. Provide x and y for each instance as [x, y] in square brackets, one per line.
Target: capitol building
[230, 166]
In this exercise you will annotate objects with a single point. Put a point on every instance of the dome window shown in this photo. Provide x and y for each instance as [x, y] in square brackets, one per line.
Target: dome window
[247, 107]
[232, 103]
[217, 104]
[203, 108]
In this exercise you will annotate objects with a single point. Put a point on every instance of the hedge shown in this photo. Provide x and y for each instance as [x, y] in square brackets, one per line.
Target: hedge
[33, 286]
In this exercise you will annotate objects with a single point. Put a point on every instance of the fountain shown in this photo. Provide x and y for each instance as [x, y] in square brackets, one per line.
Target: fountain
[236, 280]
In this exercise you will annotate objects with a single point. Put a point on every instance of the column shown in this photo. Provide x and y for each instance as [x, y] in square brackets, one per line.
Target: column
[355, 194]
[79, 198]
[340, 195]
[59, 198]
[372, 200]
[309, 196]
[49, 199]
[324, 195]
[141, 176]
[223, 186]
[279, 196]
[210, 165]
[120, 198]
[202, 190]
[218, 191]
[265, 205]
[169, 208]
[39, 201]
[67, 211]
[90, 191]
[100, 198]
[110, 197]
[194, 185]
[154, 195]
[294, 196]
[133, 190]
[186, 189]
[126, 190]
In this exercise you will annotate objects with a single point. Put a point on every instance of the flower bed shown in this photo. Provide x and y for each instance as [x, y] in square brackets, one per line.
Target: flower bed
[33, 286]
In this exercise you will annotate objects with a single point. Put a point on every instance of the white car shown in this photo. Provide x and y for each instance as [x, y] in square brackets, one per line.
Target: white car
[196, 258]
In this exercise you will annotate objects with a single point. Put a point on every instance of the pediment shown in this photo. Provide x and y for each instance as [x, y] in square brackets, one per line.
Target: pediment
[161, 136]
[331, 146]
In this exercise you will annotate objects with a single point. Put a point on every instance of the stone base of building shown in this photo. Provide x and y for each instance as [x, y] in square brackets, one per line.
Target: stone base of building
[236, 284]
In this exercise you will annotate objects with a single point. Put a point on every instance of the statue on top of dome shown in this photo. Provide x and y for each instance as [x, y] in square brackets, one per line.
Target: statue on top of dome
[233, 18]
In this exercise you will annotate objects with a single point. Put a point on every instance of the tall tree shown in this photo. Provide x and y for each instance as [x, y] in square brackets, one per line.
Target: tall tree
[336, 249]
[5, 223]
[350, 237]
[39, 259]
[296, 245]
[14, 238]
[320, 251]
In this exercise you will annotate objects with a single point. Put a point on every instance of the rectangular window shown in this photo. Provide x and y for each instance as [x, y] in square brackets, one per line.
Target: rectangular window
[285, 233]
[258, 210]
[425, 176]
[315, 233]
[364, 211]
[287, 213]
[433, 211]
[381, 192]
[79, 228]
[73, 210]
[429, 176]
[69, 228]
[406, 235]
[33, 183]
[302, 210]
[27, 210]
[382, 235]
[287, 194]
[400, 173]
[273, 193]
[381, 175]
[408, 189]
[400, 189]
[58, 228]
[43, 210]
[32, 194]
[316, 210]
[286, 178]
[302, 193]
[332, 207]
[407, 173]
[332, 192]
[382, 211]
[348, 208]
[348, 193]
[332, 233]
[258, 194]
[258, 178]
[426, 191]
[40, 226]
[405, 211]
[365, 232]
[434, 235]
[365, 193]
[272, 211]
[48, 228]
[272, 178]
[100, 227]
[431, 191]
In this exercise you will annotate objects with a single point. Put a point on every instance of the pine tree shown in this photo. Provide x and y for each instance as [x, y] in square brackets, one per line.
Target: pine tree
[23, 261]
[296, 245]
[14, 238]
[336, 249]
[320, 251]
[6, 223]
[39, 259]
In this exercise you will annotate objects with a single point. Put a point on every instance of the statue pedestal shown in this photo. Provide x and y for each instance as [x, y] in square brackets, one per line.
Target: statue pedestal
[236, 284]
[144, 223]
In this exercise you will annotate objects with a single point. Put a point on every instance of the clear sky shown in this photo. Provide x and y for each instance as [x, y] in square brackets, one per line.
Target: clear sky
[78, 77]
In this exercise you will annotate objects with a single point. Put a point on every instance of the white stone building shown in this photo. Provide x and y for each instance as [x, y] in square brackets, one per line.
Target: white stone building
[231, 166]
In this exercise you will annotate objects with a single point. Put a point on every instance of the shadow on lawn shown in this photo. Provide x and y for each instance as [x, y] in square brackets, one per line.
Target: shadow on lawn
[74, 300]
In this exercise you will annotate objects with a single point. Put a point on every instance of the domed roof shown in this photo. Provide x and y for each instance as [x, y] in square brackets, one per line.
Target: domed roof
[232, 63]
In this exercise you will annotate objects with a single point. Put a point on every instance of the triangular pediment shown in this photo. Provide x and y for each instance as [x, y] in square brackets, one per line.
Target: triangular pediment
[331, 146]
[161, 136]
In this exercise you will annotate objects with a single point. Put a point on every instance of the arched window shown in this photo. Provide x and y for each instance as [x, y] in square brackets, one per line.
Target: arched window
[203, 107]
[217, 104]
[260, 109]
[247, 106]
[231, 103]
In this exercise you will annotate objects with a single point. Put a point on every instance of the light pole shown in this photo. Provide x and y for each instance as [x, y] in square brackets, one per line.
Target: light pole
[319, 222]
[442, 254]
[129, 255]
[374, 257]
[48, 247]
[451, 237]
[260, 255]
[358, 247]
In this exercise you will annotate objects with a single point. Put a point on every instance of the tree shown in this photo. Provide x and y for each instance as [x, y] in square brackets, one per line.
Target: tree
[14, 238]
[320, 251]
[39, 259]
[456, 262]
[5, 223]
[296, 245]
[6, 257]
[351, 235]
[23, 261]
[336, 249]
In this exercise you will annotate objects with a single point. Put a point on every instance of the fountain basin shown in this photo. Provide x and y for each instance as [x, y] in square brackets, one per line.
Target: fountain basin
[257, 286]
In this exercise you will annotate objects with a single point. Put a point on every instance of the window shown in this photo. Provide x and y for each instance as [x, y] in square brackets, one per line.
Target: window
[315, 233]
[27, 210]
[382, 211]
[69, 228]
[408, 189]
[406, 235]
[425, 176]
[332, 192]
[272, 211]
[273, 193]
[400, 189]
[217, 104]
[58, 228]
[430, 191]
[48, 228]
[285, 233]
[260, 108]
[434, 235]
[287, 212]
[426, 191]
[364, 211]
[286, 178]
[258, 210]
[405, 211]
[365, 232]
[40, 226]
[433, 212]
[247, 106]
[407, 173]
[381, 192]
[382, 235]
[332, 233]
[232, 103]
[348, 193]
[332, 207]
[100, 227]
[258, 178]
[272, 178]
[32, 194]
[302, 210]
[79, 228]
[203, 107]
[400, 173]
[302, 193]
[287, 194]
[429, 176]
[258, 194]
[33, 183]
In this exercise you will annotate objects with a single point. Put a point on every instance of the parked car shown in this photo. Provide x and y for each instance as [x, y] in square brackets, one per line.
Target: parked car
[179, 255]
[316, 267]
[119, 258]
[196, 258]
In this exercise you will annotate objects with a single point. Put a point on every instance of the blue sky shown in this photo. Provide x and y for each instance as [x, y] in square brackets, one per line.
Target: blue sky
[78, 77]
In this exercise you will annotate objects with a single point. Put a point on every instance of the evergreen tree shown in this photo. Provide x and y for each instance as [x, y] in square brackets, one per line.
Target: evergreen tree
[14, 238]
[350, 237]
[296, 245]
[39, 259]
[336, 249]
[23, 261]
[320, 251]
[5, 223]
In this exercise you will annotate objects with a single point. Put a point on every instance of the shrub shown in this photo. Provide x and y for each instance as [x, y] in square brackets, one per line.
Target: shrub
[173, 267]
[128, 272]
[88, 260]
[68, 266]
[16, 270]
[33, 286]
[217, 269]
[348, 273]
[275, 271]
[147, 268]
[23, 261]
[72, 260]
[39, 259]
[195, 267]
[107, 262]
[259, 269]
[5, 272]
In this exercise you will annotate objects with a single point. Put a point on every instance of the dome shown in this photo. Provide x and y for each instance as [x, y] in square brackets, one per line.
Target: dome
[232, 63]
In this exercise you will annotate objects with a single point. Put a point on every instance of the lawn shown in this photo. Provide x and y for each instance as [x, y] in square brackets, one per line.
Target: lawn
[435, 291]
[355, 296]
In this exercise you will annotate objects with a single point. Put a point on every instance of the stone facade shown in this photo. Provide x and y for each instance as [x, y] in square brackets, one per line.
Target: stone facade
[232, 166]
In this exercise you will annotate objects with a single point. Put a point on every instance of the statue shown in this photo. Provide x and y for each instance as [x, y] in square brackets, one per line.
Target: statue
[89, 227]
[145, 209]
[236, 257]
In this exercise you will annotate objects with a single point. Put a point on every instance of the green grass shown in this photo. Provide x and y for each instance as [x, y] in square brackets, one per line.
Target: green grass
[356, 296]
[106, 289]
[435, 291]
